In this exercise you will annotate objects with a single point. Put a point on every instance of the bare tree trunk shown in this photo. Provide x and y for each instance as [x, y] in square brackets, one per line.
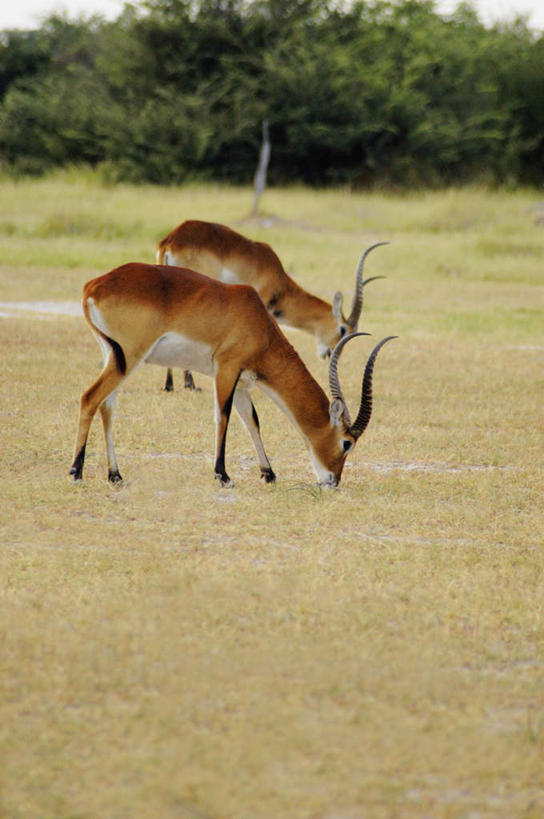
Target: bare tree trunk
[260, 175]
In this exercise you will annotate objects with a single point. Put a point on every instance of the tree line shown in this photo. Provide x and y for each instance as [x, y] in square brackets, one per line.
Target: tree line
[387, 92]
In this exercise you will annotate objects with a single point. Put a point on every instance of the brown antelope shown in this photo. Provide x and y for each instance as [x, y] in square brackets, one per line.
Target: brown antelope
[176, 317]
[221, 253]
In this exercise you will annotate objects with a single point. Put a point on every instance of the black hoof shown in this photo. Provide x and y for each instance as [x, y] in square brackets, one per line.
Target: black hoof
[268, 475]
[224, 480]
[114, 477]
[189, 383]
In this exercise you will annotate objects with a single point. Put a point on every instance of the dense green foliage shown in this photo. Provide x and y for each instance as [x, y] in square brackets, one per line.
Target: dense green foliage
[369, 93]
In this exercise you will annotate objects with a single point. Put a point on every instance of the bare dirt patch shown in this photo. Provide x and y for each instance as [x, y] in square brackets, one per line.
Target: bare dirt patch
[12, 309]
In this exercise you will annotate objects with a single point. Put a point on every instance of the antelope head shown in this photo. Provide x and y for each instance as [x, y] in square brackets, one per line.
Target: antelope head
[346, 432]
[346, 326]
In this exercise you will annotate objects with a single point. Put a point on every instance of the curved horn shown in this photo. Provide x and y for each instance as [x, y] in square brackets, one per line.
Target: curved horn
[334, 383]
[357, 305]
[365, 410]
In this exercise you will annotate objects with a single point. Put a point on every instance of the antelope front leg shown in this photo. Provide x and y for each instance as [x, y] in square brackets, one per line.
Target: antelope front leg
[188, 382]
[225, 386]
[248, 414]
[169, 383]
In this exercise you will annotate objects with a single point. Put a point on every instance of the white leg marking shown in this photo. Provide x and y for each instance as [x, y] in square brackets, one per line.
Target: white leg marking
[243, 405]
[107, 406]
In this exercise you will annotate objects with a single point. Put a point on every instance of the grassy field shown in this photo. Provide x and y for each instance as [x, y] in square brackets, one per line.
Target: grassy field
[172, 649]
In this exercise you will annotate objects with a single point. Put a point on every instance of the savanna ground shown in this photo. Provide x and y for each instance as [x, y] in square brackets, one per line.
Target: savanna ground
[173, 649]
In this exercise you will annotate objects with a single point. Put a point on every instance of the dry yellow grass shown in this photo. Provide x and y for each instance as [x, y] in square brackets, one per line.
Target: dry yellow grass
[171, 649]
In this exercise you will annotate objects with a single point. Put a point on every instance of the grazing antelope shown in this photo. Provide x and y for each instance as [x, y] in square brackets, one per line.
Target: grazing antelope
[221, 253]
[176, 317]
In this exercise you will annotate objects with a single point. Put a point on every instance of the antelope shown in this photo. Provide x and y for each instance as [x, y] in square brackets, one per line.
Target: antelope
[221, 253]
[176, 317]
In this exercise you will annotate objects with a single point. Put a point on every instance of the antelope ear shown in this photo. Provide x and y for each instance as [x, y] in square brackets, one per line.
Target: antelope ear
[336, 411]
[337, 307]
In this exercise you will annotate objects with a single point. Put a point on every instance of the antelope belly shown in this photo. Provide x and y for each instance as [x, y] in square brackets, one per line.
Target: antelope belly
[175, 350]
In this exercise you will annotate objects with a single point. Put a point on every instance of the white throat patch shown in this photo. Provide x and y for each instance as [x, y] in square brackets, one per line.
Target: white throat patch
[229, 276]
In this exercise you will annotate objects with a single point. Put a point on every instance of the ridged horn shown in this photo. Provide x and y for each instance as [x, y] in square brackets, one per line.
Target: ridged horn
[365, 410]
[334, 382]
[357, 305]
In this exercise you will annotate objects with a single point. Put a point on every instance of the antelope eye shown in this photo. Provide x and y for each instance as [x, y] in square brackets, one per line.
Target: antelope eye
[343, 331]
[346, 445]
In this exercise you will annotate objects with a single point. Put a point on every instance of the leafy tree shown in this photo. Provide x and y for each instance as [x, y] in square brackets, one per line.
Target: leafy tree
[23, 54]
[383, 92]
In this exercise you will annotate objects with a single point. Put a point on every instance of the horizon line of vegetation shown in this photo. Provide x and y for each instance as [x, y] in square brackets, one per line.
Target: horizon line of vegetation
[372, 94]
